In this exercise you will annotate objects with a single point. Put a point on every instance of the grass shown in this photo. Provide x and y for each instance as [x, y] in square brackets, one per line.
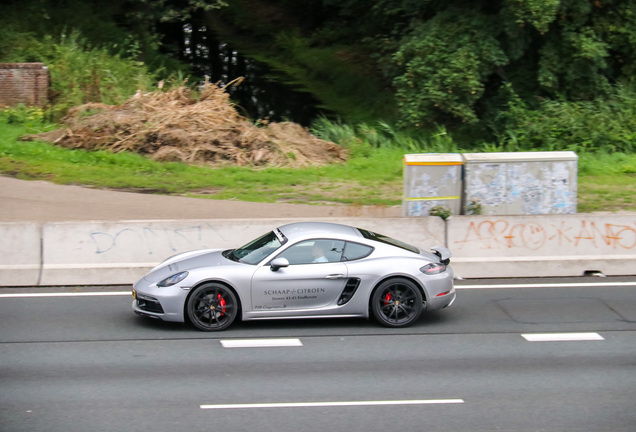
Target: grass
[377, 183]
[607, 182]
[373, 175]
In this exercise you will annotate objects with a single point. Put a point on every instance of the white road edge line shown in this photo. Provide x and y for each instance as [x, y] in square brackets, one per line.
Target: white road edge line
[67, 294]
[547, 285]
[457, 287]
[561, 337]
[260, 343]
[333, 404]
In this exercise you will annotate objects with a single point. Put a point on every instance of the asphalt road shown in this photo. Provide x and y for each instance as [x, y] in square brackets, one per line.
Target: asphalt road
[86, 363]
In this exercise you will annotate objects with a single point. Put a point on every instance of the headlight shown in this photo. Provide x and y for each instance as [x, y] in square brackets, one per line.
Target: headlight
[433, 268]
[174, 279]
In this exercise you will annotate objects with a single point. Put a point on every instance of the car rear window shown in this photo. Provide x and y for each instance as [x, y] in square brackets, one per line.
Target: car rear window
[387, 240]
[355, 251]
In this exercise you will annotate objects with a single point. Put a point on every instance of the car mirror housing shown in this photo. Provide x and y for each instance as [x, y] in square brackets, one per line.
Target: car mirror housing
[279, 263]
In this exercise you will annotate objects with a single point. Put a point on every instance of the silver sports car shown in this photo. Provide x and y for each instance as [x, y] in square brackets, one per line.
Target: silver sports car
[299, 270]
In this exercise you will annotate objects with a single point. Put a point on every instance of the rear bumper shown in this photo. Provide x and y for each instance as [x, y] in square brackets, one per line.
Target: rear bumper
[441, 302]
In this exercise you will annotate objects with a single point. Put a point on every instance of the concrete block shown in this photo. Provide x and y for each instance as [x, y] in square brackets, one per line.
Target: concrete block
[20, 254]
[432, 179]
[546, 245]
[105, 253]
[521, 183]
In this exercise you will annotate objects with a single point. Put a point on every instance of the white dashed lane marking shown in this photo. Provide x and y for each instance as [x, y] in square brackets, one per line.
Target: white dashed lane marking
[333, 404]
[260, 343]
[562, 337]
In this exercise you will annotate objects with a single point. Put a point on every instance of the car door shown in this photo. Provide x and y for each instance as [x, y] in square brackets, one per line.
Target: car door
[310, 281]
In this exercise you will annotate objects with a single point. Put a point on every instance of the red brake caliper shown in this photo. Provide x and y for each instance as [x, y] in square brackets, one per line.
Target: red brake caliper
[387, 299]
[222, 303]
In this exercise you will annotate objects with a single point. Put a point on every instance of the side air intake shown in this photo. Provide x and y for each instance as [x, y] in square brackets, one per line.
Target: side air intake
[348, 291]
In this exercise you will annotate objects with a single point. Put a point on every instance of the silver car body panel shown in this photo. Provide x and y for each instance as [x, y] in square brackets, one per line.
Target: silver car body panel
[298, 290]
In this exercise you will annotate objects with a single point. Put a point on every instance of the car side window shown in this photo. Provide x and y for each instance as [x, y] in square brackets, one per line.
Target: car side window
[355, 251]
[314, 252]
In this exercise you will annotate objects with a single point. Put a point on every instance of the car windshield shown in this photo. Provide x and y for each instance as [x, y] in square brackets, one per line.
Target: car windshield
[388, 240]
[256, 250]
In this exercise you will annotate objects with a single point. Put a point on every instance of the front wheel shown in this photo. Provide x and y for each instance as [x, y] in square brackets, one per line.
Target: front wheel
[212, 307]
[397, 303]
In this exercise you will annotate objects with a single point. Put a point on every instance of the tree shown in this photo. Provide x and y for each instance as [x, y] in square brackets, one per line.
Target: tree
[116, 23]
[444, 64]
[453, 64]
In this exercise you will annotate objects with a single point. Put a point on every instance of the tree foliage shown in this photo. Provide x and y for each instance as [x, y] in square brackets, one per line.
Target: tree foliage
[518, 72]
[118, 23]
[560, 49]
[444, 64]
[492, 66]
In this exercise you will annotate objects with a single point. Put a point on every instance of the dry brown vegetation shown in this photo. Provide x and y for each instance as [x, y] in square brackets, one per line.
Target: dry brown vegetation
[175, 126]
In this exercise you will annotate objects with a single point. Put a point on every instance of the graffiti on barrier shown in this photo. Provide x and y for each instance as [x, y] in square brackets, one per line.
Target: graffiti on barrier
[153, 240]
[502, 234]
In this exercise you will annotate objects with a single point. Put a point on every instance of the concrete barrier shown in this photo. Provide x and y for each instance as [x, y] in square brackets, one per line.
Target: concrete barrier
[100, 253]
[109, 253]
[20, 258]
[549, 245]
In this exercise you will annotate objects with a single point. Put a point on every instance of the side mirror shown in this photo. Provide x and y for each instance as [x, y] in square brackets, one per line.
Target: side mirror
[278, 263]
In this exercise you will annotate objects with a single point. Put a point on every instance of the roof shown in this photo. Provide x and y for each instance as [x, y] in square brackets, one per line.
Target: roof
[300, 230]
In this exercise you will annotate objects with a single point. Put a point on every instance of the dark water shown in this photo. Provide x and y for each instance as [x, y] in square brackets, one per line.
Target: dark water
[261, 94]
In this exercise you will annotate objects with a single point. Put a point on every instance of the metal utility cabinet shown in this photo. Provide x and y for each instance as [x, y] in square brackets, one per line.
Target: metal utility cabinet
[522, 183]
[432, 179]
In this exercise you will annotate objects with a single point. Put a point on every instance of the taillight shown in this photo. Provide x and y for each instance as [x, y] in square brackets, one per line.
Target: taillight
[433, 268]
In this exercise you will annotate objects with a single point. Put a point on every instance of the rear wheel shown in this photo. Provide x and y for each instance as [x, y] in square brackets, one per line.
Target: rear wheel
[212, 307]
[397, 303]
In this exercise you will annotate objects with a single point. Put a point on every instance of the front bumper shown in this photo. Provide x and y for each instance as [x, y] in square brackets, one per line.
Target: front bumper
[165, 304]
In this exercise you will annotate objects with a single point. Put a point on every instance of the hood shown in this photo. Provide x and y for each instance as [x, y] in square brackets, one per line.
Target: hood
[185, 262]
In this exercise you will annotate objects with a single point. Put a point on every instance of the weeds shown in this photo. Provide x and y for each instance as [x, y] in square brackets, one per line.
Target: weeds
[440, 211]
[80, 72]
[474, 207]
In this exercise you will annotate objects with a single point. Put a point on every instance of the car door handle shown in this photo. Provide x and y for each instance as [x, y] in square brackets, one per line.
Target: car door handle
[335, 276]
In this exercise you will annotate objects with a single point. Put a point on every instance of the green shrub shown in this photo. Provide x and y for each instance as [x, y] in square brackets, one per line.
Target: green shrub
[22, 115]
[604, 124]
[362, 139]
[79, 72]
[474, 207]
[440, 211]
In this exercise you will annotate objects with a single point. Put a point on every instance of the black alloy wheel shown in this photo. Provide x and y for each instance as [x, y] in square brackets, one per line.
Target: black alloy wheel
[397, 303]
[212, 307]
